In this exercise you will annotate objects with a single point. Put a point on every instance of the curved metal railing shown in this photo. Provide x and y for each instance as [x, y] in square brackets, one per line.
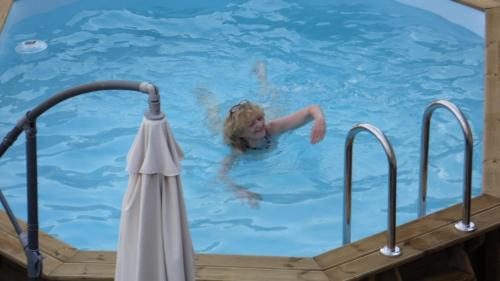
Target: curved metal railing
[27, 123]
[390, 249]
[465, 224]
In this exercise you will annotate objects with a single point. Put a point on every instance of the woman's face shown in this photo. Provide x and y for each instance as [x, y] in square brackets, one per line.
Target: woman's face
[256, 129]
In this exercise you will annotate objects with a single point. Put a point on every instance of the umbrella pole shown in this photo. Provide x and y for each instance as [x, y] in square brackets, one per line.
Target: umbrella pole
[34, 259]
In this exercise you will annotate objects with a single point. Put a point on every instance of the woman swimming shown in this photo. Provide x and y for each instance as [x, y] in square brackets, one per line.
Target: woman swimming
[245, 128]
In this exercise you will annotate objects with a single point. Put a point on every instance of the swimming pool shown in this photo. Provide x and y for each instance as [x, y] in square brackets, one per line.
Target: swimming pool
[362, 62]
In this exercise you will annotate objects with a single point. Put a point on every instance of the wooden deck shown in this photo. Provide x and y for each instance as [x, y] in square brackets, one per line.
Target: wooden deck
[62, 262]
[480, 4]
[434, 234]
[4, 11]
[416, 240]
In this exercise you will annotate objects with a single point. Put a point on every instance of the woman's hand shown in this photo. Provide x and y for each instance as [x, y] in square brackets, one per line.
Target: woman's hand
[318, 131]
[251, 197]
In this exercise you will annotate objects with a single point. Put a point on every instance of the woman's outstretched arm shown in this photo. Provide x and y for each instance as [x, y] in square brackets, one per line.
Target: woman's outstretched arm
[298, 119]
[240, 191]
[213, 115]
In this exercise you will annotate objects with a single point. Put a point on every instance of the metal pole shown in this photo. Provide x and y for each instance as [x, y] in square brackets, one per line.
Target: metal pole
[7, 141]
[33, 253]
[424, 160]
[390, 249]
[467, 182]
[346, 233]
[465, 224]
[144, 87]
[11, 216]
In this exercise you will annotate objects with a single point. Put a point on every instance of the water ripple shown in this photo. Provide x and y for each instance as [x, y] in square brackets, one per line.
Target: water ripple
[247, 223]
[377, 62]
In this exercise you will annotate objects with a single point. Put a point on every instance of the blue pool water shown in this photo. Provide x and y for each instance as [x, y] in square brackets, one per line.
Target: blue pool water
[379, 62]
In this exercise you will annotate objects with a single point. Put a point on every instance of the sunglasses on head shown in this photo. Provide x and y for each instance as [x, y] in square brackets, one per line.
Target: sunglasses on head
[238, 106]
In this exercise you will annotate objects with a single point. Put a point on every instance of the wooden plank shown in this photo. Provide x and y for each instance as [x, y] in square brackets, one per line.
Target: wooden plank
[4, 11]
[403, 232]
[261, 262]
[249, 274]
[86, 271]
[492, 40]
[389, 275]
[480, 4]
[50, 245]
[490, 256]
[491, 156]
[460, 260]
[368, 265]
[11, 249]
[10, 271]
[433, 262]
[417, 247]
[450, 276]
[103, 257]
[213, 260]
[83, 271]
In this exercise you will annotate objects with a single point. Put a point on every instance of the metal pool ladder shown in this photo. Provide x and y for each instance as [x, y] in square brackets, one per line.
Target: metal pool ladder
[465, 225]
[390, 249]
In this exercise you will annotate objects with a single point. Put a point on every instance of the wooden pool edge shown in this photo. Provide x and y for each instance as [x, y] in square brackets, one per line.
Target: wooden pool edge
[357, 261]
[4, 11]
[63, 262]
[480, 4]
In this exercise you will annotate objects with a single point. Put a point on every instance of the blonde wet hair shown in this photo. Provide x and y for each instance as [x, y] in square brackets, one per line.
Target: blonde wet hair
[239, 118]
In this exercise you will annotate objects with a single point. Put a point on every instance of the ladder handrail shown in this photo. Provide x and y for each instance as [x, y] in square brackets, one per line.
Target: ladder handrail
[465, 224]
[390, 249]
[27, 123]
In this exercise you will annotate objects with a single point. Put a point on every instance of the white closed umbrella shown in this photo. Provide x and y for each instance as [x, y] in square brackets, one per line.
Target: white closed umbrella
[154, 241]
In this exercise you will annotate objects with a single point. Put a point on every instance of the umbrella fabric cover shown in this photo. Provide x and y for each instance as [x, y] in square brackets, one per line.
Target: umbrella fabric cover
[154, 242]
